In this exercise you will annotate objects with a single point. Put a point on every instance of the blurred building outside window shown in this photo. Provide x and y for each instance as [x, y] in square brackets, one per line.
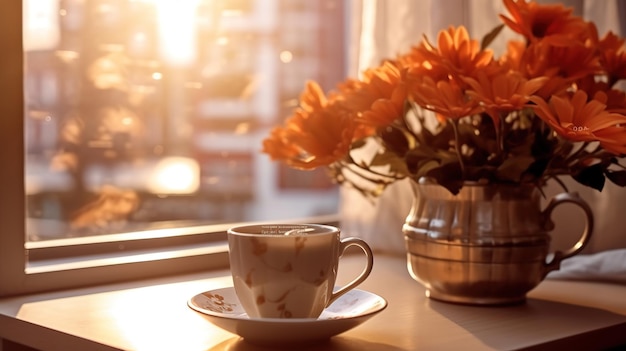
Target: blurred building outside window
[144, 114]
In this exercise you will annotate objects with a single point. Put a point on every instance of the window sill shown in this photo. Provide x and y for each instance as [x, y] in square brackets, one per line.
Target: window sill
[152, 315]
[138, 256]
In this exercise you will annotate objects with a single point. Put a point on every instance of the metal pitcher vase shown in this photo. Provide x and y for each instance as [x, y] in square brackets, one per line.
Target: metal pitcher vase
[487, 245]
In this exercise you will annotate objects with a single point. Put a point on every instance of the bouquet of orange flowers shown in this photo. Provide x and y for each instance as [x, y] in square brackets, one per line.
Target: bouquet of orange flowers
[547, 107]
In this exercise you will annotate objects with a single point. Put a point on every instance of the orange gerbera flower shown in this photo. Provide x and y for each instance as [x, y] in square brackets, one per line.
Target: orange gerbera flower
[570, 62]
[577, 119]
[379, 98]
[502, 93]
[318, 134]
[534, 64]
[613, 53]
[512, 57]
[551, 21]
[555, 87]
[613, 139]
[445, 97]
[312, 98]
[414, 57]
[384, 111]
[614, 99]
[278, 146]
[456, 51]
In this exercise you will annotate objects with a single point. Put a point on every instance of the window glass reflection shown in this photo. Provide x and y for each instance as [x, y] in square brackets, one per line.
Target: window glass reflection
[149, 113]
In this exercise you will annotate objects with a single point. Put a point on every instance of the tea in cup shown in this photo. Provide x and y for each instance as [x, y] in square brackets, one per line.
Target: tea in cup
[289, 271]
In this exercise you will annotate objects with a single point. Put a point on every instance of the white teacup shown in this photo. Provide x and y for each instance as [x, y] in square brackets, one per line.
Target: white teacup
[289, 271]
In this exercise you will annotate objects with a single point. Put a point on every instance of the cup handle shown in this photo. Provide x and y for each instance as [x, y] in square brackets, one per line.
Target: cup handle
[345, 244]
[559, 256]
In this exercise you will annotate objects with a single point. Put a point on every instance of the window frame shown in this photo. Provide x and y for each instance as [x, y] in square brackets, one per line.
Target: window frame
[199, 248]
[12, 201]
[77, 262]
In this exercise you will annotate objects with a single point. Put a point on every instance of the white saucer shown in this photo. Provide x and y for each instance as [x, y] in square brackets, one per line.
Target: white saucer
[221, 307]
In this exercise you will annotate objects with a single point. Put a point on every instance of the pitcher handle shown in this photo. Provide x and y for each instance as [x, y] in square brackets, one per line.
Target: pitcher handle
[559, 256]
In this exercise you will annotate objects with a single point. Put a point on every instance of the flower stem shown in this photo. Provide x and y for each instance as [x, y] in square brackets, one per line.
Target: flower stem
[500, 138]
[390, 178]
[576, 153]
[457, 146]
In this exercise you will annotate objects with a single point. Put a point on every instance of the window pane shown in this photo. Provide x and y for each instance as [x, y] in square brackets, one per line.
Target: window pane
[144, 114]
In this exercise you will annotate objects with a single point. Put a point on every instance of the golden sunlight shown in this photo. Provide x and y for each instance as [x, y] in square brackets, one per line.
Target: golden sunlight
[286, 56]
[41, 30]
[175, 175]
[140, 316]
[177, 30]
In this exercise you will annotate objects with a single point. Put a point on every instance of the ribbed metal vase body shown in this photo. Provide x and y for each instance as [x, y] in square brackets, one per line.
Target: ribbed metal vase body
[486, 245]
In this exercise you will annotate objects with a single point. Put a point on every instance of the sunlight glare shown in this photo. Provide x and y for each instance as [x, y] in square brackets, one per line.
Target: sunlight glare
[177, 30]
[146, 317]
[175, 175]
[41, 25]
[286, 56]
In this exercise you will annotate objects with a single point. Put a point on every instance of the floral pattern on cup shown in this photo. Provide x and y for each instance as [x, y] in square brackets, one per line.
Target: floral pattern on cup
[216, 302]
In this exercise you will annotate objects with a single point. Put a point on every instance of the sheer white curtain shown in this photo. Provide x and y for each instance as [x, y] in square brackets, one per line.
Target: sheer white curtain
[383, 28]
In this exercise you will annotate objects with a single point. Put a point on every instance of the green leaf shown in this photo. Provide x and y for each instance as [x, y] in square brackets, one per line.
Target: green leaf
[357, 144]
[423, 167]
[448, 175]
[617, 177]
[537, 168]
[421, 152]
[513, 168]
[489, 37]
[592, 176]
[397, 165]
[396, 140]
[383, 158]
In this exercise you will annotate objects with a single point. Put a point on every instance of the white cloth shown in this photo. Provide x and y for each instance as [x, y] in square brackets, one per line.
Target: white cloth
[609, 266]
[379, 223]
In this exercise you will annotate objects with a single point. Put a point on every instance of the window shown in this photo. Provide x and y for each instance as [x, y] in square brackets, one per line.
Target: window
[132, 131]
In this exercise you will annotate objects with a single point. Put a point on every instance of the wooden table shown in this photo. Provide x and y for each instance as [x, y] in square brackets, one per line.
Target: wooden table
[153, 315]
